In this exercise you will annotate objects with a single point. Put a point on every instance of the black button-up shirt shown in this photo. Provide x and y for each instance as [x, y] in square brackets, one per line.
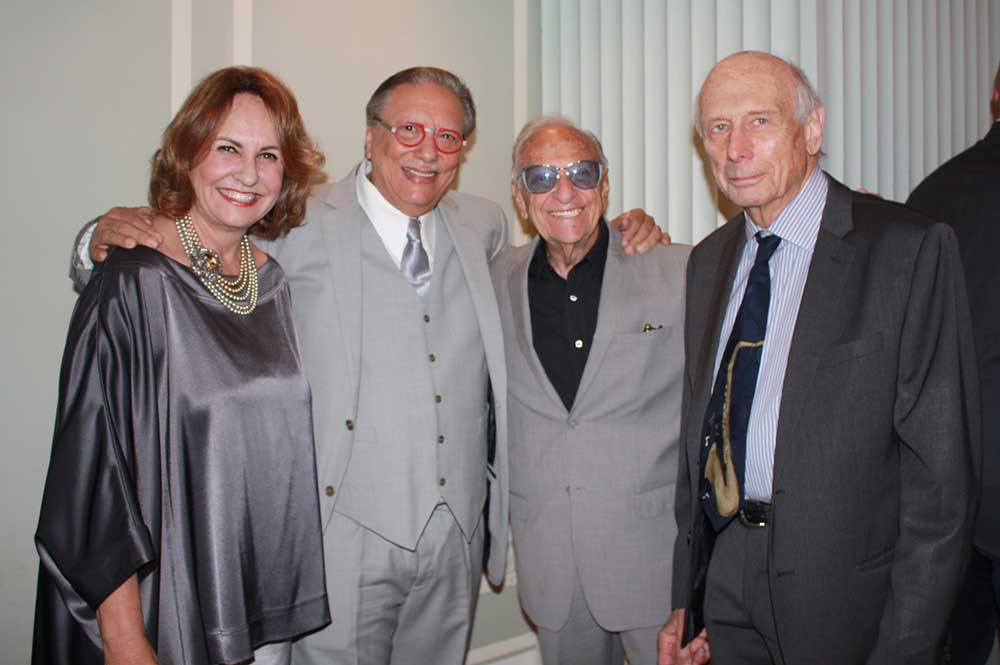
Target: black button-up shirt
[564, 313]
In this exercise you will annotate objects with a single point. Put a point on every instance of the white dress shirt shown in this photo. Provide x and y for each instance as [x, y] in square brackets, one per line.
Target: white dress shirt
[390, 223]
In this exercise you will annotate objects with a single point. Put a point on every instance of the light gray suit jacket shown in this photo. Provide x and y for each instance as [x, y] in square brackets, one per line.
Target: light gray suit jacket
[322, 259]
[877, 445]
[592, 489]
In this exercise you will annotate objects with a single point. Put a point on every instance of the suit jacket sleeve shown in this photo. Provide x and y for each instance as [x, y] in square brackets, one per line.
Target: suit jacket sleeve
[80, 266]
[499, 236]
[936, 418]
[681, 585]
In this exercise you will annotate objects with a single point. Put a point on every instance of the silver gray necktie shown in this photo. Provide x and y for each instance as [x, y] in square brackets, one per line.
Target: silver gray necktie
[415, 265]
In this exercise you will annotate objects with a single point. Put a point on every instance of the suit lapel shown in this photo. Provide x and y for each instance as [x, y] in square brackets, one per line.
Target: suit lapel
[472, 255]
[708, 297]
[706, 321]
[343, 244]
[819, 321]
[517, 284]
[614, 293]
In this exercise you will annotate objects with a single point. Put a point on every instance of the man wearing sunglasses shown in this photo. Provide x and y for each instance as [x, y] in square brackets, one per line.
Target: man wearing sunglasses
[400, 337]
[594, 361]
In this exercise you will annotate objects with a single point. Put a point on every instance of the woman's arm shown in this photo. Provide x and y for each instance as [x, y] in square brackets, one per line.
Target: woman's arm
[120, 619]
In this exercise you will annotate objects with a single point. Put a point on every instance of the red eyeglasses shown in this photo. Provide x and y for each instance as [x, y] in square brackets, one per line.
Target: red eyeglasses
[412, 134]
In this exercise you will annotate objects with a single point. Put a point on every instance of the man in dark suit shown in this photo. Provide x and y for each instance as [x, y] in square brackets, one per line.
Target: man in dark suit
[965, 193]
[827, 470]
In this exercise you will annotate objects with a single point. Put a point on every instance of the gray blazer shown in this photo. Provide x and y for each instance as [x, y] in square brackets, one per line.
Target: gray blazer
[322, 260]
[592, 488]
[877, 441]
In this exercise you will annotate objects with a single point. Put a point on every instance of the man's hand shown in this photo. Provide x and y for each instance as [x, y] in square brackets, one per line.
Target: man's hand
[639, 231]
[123, 227]
[669, 644]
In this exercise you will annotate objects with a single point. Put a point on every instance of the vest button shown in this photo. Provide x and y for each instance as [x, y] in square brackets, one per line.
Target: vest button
[328, 490]
[427, 318]
[441, 482]
[350, 425]
[432, 357]
[440, 438]
[437, 398]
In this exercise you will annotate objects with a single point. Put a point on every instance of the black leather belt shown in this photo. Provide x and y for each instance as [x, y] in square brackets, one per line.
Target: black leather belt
[754, 514]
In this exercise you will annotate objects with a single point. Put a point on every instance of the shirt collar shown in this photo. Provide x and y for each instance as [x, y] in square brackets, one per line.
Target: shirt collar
[374, 204]
[391, 223]
[596, 256]
[799, 222]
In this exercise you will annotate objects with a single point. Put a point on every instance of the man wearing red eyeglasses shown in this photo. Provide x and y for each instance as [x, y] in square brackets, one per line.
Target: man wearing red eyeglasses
[400, 337]
[594, 362]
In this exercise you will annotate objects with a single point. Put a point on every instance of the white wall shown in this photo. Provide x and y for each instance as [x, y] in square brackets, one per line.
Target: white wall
[84, 100]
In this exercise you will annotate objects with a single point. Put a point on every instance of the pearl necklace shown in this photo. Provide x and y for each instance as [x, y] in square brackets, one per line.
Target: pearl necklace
[238, 295]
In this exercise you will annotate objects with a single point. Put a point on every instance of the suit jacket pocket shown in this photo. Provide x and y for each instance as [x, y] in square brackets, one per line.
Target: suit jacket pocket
[654, 502]
[856, 348]
[631, 364]
[638, 335]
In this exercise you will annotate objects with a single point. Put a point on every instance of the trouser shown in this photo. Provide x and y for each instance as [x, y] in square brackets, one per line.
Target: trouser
[582, 641]
[394, 606]
[974, 621]
[738, 611]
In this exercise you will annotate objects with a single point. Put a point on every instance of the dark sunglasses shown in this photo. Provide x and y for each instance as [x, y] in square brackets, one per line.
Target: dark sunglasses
[541, 178]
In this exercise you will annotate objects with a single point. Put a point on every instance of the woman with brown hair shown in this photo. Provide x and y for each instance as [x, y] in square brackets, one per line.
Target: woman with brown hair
[180, 517]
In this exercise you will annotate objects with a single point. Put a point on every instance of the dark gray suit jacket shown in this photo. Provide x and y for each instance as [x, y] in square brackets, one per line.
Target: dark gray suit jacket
[965, 194]
[877, 440]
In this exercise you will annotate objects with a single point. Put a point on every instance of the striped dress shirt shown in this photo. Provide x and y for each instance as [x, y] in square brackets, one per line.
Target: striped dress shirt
[797, 226]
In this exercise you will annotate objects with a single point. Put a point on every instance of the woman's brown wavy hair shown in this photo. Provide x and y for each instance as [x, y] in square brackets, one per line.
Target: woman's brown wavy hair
[188, 137]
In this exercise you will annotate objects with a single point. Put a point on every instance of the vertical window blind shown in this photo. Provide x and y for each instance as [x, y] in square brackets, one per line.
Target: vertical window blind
[906, 85]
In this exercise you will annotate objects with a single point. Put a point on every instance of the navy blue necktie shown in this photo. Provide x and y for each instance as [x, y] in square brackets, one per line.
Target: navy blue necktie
[724, 433]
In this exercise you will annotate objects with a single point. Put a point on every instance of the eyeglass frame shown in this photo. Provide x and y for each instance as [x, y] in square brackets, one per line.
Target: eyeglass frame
[560, 170]
[423, 130]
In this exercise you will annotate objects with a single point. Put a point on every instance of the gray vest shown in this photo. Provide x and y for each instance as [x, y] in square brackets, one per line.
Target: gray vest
[420, 433]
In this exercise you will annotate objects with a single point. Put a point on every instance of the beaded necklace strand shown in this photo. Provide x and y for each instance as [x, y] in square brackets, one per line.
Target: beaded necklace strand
[238, 295]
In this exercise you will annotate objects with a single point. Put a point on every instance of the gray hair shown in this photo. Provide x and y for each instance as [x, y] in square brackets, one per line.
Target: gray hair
[532, 127]
[417, 75]
[807, 99]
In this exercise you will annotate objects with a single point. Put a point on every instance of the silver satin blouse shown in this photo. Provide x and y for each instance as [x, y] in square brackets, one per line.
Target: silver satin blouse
[183, 450]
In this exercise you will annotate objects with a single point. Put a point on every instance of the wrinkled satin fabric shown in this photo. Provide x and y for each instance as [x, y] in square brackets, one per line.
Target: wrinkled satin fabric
[182, 451]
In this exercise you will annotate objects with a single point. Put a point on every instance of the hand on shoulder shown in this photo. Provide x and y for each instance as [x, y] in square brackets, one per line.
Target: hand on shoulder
[123, 227]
